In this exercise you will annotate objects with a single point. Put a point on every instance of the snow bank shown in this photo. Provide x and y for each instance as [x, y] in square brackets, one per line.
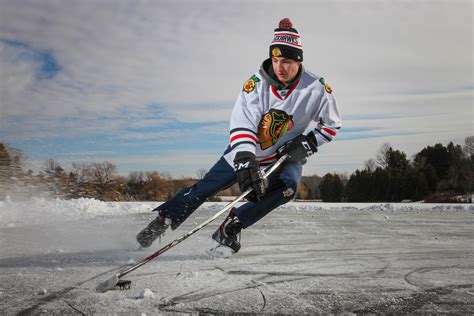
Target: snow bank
[380, 207]
[42, 210]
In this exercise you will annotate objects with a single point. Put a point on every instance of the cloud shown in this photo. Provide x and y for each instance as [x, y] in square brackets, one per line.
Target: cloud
[117, 77]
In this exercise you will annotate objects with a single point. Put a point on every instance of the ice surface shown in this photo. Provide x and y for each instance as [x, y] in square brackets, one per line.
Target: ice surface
[311, 258]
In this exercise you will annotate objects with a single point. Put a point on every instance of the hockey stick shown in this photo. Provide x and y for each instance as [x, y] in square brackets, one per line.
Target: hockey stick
[115, 282]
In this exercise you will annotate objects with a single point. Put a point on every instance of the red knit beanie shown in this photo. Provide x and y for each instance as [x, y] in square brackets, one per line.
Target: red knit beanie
[286, 42]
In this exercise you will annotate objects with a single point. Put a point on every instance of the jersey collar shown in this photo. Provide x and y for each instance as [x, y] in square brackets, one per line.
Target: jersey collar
[283, 94]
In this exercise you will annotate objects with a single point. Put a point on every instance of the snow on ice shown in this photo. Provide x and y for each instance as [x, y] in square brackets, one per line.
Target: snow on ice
[42, 210]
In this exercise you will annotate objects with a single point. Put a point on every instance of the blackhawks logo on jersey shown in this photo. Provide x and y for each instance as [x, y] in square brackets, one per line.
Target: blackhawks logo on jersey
[326, 86]
[249, 85]
[273, 125]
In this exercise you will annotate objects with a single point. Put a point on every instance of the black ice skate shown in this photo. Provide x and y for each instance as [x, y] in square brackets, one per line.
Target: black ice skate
[155, 229]
[228, 233]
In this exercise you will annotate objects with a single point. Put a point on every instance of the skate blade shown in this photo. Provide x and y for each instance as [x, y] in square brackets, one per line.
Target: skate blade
[114, 283]
[123, 285]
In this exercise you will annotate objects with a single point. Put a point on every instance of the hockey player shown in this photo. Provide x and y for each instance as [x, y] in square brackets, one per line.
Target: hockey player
[270, 118]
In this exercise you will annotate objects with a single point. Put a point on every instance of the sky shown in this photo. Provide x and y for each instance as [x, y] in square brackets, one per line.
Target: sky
[150, 85]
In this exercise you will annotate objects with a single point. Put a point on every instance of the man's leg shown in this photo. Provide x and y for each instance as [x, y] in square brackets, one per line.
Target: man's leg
[281, 189]
[184, 203]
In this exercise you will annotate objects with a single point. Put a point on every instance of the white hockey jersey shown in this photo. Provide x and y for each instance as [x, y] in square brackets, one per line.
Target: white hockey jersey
[264, 118]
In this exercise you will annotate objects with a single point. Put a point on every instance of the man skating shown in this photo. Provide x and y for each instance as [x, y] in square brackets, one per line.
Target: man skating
[270, 118]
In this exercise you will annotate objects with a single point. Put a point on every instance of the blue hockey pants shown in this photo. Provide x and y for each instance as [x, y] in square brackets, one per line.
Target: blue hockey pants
[281, 189]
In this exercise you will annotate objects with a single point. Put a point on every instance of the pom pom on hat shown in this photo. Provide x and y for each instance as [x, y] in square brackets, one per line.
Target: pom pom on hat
[285, 24]
[286, 41]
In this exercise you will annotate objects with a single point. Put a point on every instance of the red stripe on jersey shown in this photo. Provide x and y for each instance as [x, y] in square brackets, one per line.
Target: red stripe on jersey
[276, 93]
[292, 88]
[329, 131]
[243, 136]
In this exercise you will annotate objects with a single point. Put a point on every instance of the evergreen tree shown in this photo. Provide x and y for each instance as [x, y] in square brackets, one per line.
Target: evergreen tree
[379, 185]
[468, 150]
[422, 187]
[331, 188]
[458, 172]
[436, 156]
[359, 186]
[432, 179]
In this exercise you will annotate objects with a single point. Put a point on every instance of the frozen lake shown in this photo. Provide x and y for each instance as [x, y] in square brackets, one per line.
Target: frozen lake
[302, 258]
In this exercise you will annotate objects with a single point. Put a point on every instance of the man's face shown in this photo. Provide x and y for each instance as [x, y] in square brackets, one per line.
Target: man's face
[285, 68]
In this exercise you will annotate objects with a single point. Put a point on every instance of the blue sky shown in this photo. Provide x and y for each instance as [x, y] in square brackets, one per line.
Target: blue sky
[149, 85]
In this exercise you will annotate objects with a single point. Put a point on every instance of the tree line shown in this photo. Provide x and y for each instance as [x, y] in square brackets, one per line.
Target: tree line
[435, 173]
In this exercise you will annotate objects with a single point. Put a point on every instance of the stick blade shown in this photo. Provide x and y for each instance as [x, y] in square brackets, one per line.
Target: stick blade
[107, 285]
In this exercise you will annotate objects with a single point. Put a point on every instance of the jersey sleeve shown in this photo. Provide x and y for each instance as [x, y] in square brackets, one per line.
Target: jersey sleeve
[328, 118]
[244, 124]
[245, 118]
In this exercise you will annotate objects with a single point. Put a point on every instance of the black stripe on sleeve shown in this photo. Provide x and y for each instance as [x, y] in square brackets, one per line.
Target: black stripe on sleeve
[243, 130]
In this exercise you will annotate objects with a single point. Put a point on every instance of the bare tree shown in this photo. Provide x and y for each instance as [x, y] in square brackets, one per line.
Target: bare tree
[82, 171]
[18, 161]
[5, 170]
[166, 175]
[382, 157]
[136, 177]
[103, 176]
[135, 184]
[52, 167]
[344, 177]
[469, 146]
[370, 165]
[156, 187]
[302, 191]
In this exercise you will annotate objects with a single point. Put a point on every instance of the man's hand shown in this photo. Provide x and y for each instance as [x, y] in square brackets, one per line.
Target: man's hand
[248, 173]
[300, 147]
